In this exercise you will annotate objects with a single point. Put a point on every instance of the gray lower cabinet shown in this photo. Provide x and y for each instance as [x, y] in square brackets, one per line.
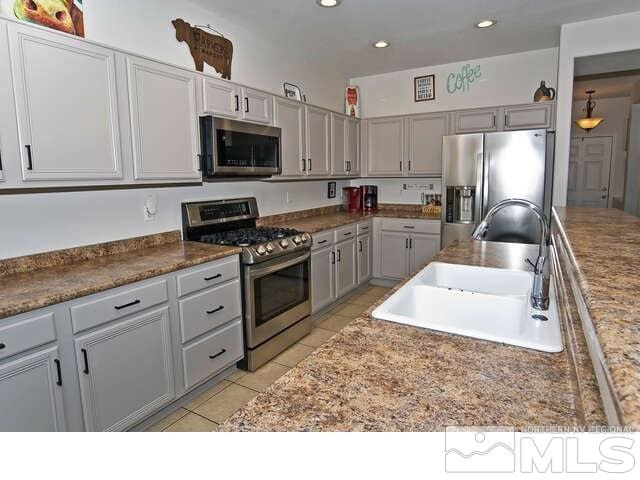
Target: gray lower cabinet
[423, 247]
[126, 371]
[393, 255]
[31, 393]
[322, 278]
[364, 258]
[346, 268]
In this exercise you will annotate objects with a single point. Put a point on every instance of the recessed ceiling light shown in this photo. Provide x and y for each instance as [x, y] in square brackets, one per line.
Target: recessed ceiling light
[328, 3]
[486, 23]
[381, 44]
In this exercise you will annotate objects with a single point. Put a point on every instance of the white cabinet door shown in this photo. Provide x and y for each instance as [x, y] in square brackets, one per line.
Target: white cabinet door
[322, 278]
[67, 107]
[423, 248]
[338, 144]
[290, 117]
[364, 258]
[125, 371]
[425, 144]
[394, 257]
[220, 98]
[31, 394]
[346, 267]
[318, 141]
[528, 117]
[353, 146]
[257, 106]
[472, 121]
[164, 121]
[386, 146]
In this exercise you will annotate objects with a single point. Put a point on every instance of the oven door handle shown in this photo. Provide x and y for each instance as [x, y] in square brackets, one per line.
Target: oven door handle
[261, 272]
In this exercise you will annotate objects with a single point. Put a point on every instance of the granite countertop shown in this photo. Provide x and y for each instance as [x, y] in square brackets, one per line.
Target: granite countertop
[604, 246]
[318, 220]
[37, 281]
[382, 376]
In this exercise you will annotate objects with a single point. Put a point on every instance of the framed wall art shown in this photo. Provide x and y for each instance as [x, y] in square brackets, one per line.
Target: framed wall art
[424, 88]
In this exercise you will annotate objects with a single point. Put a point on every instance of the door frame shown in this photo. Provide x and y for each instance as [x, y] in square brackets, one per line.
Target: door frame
[611, 164]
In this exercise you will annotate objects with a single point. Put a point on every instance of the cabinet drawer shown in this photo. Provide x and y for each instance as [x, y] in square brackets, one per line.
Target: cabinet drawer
[410, 225]
[106, 309]
[208, 276]
[209, 309]
[365, 227]
[345, 233]
[26, 334]
[322, 240]
[212, 354]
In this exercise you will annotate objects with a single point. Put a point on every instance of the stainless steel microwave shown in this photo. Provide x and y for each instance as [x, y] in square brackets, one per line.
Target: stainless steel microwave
[231, 148]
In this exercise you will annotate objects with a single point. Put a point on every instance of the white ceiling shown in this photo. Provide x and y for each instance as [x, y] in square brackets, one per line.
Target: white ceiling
[421, 32]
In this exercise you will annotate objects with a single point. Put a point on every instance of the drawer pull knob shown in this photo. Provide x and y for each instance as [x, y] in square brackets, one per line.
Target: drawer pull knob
[364, 228]
[2, 346]
[347, 234]
[322, 241]
[59, 372]
[410, 227]
[215, 310]
[86, 361]
[208, 279]
[221, 352]
[127, 305]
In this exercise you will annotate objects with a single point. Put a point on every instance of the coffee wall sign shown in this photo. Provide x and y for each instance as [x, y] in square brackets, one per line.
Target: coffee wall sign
[462, 80]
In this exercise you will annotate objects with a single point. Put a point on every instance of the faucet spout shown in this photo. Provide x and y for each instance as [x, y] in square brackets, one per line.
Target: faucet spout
[541, 270]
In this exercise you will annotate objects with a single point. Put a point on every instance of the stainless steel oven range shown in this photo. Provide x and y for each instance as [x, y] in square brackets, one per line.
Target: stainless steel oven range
[275, 273]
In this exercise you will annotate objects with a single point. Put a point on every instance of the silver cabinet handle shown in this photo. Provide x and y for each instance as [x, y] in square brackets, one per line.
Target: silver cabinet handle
[304, 165]
[310, 165]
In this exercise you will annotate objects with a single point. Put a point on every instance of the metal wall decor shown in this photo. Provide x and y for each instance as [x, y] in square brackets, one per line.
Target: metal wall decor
[214, 50]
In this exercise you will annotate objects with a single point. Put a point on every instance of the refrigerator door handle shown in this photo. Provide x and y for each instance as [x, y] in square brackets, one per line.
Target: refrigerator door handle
[479, 188]
[485, 184]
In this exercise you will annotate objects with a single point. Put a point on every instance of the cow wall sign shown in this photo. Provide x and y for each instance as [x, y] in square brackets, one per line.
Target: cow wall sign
[214, 50]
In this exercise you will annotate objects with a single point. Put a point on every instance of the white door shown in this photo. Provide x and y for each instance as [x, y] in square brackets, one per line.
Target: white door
[425, 144]
[386, 146]
[164, 121]
[353, 146]
[364, 258]
[290, 117]
[346, 267]
[632, 182]
[220, 98]
[125, 371]
[67, 107]
[318, 141]
[338, 144]
[257, 107]
[31, 394]
[322, 278]
[394, 255]
[589, 171]
[423, 247]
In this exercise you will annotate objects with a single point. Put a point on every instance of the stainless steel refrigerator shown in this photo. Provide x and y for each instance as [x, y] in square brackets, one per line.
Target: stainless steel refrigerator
[480, 170]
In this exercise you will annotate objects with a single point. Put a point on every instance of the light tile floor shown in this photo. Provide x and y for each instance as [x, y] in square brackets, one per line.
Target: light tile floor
[205, 412]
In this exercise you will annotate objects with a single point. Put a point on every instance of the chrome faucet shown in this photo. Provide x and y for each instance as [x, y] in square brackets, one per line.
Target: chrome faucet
[541, 280]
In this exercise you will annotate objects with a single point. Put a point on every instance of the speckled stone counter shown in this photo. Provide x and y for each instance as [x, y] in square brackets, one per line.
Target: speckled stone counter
[37, 281]
[382, 376]
[603, 251]
[319, 219]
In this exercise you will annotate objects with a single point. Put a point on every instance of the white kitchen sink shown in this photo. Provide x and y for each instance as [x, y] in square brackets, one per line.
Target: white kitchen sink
[486, 303]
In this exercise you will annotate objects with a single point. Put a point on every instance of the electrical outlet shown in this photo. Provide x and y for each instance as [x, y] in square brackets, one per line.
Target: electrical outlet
[151, 208]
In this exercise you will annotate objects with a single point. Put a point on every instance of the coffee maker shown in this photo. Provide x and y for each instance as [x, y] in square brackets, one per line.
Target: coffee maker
[351, 199]
[369, 198]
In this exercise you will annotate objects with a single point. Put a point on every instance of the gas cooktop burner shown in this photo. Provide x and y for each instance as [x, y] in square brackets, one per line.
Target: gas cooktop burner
[245, 237]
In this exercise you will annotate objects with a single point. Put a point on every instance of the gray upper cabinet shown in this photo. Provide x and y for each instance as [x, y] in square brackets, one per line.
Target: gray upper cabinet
[318, 141]
[164, 121]
[290, 117]
[126, 371]
[68, 122]
[31, 394]
[425, 144]
[472, 121]
[385, 146]
[338, 144]
[257, 106]
[219, 97]
[538, 115]
[353, 146]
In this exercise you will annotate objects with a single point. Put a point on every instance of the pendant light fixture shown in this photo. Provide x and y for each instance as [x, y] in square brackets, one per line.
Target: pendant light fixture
[589, 122]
